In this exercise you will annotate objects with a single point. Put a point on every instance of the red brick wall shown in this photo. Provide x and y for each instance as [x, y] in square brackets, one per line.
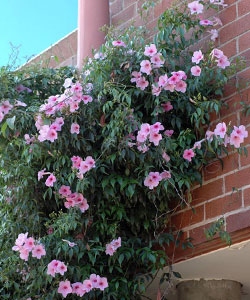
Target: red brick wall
[65, 50]
[214, 199]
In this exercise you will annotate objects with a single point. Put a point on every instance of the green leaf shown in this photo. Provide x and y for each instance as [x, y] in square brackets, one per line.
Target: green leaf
[11, 122]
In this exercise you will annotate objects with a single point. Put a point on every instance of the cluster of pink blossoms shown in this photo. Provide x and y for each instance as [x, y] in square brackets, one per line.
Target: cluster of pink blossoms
[56, 266]
[174, 83]
[153, 179]
[113, 246]
[222, 60]
[235, 138]
[81, 165]
[25, 245]
[69, 102]
[81, 288]
[73, 199]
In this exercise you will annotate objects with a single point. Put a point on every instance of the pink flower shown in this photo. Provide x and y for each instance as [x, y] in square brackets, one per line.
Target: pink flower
[241, 131]
[195, 7]
[38, 251]
[64, 190]
[61, 268]
[188, 154]
[109, 250]
[75, 128]
[24, 254]
[145, 128]
[156, 127]
[52, 267]
[152, 180]
[136, 76]
[235, 139]
[157, 60]
[145, 67]
[180, 74]
[20, 103]
[78, 289]
[165, 175]
[84, 205]
[94, 279]
[5, 107]
[71, 244]
[169, 87]
[174, 79]
[51, 135]
[197, 57]
[167, 106]
[209, 135]
[220, 130]
[64, 288]
[21, 239]
[143, 148]
[43, 132]
[217, 53]
[116, 243]
[156, 90]
[181, 86]
[142, 83]
[76, 88]
[163, 80]
[206, 22]
[87, 285]
[168, 133]
[118, 44]
[29, 244]
[50, 180]
[197, 145]
[102, 283]
[90, 161]
[87, 99]
[214, 34]
[41, 173]
[155, 138]
[55, 126]
[223, 62]
[196, 71]
[84, 167]
[150, 50]
[165, 157]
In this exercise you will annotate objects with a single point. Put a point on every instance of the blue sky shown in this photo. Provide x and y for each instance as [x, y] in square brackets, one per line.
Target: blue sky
[34, 25]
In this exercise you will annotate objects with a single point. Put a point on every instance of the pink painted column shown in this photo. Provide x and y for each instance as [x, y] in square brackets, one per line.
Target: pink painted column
[92, 15]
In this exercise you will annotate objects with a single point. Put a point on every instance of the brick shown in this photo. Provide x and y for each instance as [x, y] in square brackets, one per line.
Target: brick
[215, 168]
[230, 87]
[188, 217]
[245, 160]
[208, 191]
[228, 15]
[237, 179]
[238, 221]
[246, 197]
[243, 7]
[234, 29]
[229, 49]
[244, 41]
[124, 15]
[223, 205]
[198, 234]
[161, 7]
[127, 3]
[116, 7]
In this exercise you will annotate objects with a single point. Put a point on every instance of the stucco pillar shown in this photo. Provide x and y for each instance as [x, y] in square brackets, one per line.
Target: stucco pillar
[209, 290]
[92, 15]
